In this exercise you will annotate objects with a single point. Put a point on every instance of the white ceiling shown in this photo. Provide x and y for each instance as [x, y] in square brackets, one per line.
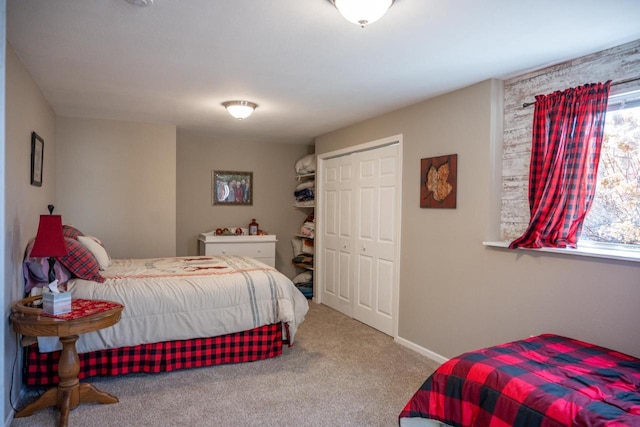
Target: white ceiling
[309, 69]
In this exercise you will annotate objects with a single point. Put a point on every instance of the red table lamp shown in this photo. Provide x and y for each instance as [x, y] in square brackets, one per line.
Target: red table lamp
[49, 240]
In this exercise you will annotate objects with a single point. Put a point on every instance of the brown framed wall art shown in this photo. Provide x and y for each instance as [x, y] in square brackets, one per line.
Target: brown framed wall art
[438, 182]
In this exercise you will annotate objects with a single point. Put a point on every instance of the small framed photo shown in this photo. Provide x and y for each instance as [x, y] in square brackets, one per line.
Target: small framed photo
[37, 158]
[232, 188]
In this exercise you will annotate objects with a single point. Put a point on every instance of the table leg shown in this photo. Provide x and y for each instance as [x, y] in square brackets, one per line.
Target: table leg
[68, 387]
[89, 393]
[69, 392]
[63, 404]
[49, 398]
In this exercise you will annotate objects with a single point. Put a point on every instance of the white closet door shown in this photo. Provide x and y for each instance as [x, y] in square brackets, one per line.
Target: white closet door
[337, 233]
[375, 246]
[359, 234]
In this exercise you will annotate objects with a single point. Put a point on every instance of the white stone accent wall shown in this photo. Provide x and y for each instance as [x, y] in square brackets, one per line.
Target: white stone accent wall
[616, 64]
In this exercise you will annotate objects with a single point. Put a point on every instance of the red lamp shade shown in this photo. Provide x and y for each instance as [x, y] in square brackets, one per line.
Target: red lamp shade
[49, 240]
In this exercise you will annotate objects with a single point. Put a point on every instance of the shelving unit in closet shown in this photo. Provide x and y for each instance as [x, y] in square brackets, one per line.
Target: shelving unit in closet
[303, 241]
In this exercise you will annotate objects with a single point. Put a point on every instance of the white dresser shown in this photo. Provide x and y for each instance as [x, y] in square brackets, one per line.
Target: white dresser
[262, 248]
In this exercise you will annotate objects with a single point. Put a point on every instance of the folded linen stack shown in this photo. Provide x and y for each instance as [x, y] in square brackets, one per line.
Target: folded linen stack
[304, 282]
[305, 260]
[307, 247]
[305, 191]
[308, 229]
[304, 195]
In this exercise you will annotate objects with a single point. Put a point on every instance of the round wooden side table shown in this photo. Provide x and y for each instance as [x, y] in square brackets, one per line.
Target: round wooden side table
[28, 320]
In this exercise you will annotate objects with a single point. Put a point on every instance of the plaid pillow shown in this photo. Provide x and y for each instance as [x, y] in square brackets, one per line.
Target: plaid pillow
[80, 261]
[71, 232]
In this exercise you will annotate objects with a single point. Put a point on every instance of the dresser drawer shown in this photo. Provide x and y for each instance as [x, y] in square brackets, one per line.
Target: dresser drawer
[254, 250]
[262, 248]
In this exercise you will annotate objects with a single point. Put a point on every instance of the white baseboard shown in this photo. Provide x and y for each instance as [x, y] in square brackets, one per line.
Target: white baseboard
[9, 419]
[421, 350]
[12, 414]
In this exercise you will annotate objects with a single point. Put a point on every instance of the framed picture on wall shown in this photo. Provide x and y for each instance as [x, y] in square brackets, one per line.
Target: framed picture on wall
[438, 182]
[37, 156]
[232, 188]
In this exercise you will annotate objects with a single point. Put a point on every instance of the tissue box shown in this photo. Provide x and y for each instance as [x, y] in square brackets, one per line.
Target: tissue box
[56, 303]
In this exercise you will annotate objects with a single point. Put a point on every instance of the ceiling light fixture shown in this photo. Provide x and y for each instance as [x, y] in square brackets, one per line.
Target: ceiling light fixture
[140, 3]
[362, 12]
[240, 109]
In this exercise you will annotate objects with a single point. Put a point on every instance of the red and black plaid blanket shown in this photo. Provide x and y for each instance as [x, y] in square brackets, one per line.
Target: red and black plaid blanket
[546, 380]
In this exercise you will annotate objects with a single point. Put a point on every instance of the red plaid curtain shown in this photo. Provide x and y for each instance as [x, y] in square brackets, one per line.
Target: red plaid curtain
[565, 151]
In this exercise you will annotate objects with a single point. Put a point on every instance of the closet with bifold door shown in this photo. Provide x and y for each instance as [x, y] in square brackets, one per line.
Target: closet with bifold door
[359, 192]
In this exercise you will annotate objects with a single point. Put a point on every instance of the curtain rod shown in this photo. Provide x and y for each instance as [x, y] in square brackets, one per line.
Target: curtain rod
[621, 82]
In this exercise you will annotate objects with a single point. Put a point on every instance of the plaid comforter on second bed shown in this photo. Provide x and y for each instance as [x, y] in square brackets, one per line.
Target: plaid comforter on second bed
[546, 380]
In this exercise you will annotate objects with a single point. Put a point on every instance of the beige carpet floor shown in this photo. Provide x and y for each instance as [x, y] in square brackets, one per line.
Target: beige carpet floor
[340, 372]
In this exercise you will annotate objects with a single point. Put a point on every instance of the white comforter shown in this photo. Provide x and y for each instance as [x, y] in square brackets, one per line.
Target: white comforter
[180, 298]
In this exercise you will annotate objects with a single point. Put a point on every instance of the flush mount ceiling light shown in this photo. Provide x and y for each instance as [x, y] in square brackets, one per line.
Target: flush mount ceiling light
[240, 109]
[140, 3]
[362, 12]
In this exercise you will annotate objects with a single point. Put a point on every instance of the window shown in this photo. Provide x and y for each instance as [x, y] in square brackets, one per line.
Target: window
[614, 218]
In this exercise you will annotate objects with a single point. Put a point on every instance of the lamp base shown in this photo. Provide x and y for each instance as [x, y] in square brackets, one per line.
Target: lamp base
[52, 273]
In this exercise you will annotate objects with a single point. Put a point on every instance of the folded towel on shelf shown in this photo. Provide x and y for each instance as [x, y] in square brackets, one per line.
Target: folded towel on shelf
[306, 184]
[308, 229]
[296, 246]
[306, 289]
[305, 277]
[303, 259]
[305, 194]
[307, 247]
[304, 204]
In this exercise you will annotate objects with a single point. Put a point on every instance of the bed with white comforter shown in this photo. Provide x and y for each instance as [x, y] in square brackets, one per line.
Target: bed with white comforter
[180, 298]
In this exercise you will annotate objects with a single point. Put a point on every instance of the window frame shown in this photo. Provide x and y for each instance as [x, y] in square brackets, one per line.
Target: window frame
[589, 249]
[624, 99]
[582, 250]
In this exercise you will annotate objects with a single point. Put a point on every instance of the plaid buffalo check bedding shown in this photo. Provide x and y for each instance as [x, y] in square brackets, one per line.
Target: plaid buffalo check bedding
[546, 380]
[41, 369]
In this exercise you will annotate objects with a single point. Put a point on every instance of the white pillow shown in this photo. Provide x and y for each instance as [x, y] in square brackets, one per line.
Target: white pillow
[306, 184]
[307, 164]
[96, 248]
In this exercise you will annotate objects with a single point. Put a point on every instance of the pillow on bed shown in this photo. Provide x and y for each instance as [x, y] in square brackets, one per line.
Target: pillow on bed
[80, 261]
[97, 249]
[71, 232]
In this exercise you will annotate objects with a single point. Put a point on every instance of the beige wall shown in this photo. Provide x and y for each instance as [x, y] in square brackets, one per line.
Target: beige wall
[117, 181]
[26, 111]
[456, 294]
[273, 175]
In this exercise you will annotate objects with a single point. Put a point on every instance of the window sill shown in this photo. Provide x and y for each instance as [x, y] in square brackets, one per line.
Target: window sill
[585, 250]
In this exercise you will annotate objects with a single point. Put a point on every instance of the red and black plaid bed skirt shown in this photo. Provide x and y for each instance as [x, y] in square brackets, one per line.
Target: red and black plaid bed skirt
[41, 369]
